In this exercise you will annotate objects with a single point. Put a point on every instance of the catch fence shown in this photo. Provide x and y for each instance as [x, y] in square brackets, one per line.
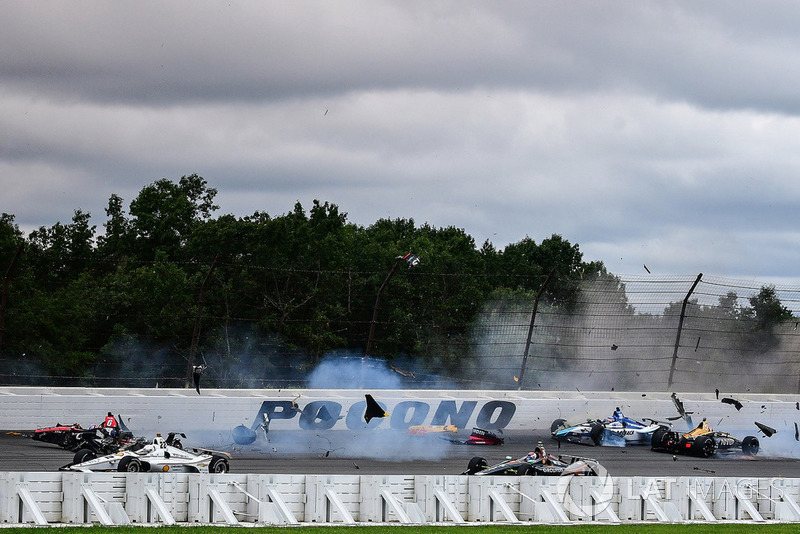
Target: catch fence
[621, 333]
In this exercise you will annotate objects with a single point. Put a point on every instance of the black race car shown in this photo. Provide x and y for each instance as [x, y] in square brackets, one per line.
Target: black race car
[75, 437]
[536, 463]
[702, 441]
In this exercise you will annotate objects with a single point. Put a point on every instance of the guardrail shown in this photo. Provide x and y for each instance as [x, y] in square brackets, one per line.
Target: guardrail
[231, 499]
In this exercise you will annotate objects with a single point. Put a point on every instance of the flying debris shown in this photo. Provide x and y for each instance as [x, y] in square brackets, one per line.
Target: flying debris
[681, 410]
[733, 402]
[402, 372]
[767, 430]
[411, 259]
[373, 409]
[197, 371]
[646, 269]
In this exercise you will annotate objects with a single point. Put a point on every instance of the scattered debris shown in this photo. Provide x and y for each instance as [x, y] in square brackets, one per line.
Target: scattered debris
[733, 402]
[197, 371]
[683, 414]
[704, 470]
[409, 374]
[767, 430]
[698, 344]
[373, 409]
[614, 346]
[796, 433]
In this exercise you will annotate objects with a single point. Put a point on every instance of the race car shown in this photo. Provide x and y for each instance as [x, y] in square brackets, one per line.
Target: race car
[616, 430]
[478, 436]
[423, 430]
[159, 455]
[95, 438]
[536, 463]
[702, 441]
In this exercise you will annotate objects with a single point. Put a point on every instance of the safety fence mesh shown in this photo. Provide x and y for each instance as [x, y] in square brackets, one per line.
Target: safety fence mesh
[651, 342]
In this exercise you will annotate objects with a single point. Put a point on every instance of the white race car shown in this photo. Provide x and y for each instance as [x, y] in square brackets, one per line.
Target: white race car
[160, 455]
[615, 431]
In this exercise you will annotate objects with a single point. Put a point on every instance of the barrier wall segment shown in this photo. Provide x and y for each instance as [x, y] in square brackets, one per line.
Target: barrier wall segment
[233, 499]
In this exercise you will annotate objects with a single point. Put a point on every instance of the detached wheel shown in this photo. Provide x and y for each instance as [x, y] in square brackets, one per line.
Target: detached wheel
[129, 464]
[83, 455]
[476, 464]
[557, 425]
[219, 464]
[704, 446]
[750, 445]
[596, 433]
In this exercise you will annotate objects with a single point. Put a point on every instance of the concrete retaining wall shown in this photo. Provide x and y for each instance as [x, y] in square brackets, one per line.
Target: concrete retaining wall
[166, 498]
[147, 411]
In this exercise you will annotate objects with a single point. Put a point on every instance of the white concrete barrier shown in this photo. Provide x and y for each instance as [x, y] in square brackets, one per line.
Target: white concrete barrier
[148, 411]
[166, 499]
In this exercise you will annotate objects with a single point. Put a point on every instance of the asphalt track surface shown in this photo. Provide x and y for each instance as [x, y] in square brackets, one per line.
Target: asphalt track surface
[296, 455]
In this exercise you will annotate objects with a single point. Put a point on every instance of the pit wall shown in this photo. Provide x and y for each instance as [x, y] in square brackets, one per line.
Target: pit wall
[147, 411]
[177, 498]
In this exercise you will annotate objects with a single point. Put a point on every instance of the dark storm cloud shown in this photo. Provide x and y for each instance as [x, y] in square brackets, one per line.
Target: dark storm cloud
[658, 133]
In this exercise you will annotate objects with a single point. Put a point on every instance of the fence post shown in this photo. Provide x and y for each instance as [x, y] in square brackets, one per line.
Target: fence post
[680, 328]
[530, 328]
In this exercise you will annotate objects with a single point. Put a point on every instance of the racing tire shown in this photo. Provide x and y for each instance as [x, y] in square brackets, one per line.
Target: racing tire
[704, 446]
[218, 464]
[476, 464]
[659, 441]
[596, 434]
[557, 425]
[83, 455]
[750, 445]
[129, 464]
[527, 471]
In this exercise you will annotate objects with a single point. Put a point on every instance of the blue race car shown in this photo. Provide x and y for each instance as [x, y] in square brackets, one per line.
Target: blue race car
[615, 431]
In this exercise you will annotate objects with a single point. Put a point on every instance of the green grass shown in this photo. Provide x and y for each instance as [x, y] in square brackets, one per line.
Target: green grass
[651, 528]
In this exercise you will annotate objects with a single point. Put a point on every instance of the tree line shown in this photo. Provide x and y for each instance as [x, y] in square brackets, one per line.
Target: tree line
[259, 298]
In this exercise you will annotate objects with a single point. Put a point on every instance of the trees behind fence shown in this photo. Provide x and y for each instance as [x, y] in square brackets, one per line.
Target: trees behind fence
[262, 300]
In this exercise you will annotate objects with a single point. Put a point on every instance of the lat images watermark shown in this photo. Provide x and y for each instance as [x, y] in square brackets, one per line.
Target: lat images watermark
[585, 496]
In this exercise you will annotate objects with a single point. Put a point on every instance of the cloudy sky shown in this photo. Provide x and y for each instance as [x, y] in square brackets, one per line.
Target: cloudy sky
[659, 133]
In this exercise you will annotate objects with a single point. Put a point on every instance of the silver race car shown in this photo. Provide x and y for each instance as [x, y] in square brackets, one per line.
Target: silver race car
[166, 455]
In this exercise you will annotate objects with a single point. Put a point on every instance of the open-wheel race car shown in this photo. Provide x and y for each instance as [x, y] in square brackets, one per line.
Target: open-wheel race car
[479, 436]
[702, 441]
[616, 430]
[536, 463]
[159, 455]
[74, 437]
